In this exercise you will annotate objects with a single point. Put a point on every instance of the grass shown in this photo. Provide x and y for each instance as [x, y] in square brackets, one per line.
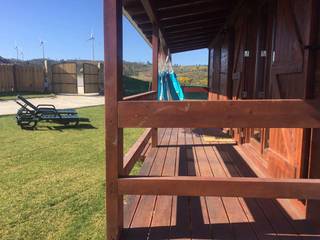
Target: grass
[13, 95]
[52, 180]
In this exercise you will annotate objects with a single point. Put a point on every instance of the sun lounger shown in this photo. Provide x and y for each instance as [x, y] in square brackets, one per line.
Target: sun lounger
[29, 115]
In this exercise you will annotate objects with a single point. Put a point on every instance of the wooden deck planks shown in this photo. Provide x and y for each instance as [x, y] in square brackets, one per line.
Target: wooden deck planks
[182, 152]
[180, 217]
[143, 217]
[161, 221]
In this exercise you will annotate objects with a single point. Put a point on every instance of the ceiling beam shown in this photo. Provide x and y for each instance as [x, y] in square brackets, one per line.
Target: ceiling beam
[141, 18]
[150, 10]
[167, 4]
[197, 18]
[196, 38]
[191, 34]
[206, 22]
[190, 44]
[182, 46]
[186, 50]
[236, 11]
[201, 28]
[142, 34]
[191, 48]
[193, 10]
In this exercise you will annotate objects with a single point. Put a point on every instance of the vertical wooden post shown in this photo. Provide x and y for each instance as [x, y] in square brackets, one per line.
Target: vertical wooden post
[313, 206]
[113, 134]
[155, 55]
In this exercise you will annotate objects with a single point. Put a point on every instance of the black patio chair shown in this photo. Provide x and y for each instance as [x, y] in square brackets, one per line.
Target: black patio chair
[29, 115]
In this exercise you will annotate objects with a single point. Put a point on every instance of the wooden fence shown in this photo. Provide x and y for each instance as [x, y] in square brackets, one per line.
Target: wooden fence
[6, 78]
[64, 78]
[21, 78]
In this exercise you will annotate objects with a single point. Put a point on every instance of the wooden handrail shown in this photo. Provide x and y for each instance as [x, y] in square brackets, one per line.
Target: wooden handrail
[135, 151]
[141, 96]
[220, 114]
[222, 187]
[191, 89]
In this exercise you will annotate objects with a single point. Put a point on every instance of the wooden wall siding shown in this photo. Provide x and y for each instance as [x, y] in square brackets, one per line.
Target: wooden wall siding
[91, 78]
[281, 28]
[289, 79]
[64, 78]
[219, 71]
[6, 78]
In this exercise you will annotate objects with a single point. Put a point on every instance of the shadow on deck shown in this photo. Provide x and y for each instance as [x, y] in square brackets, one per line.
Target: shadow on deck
[184, 152]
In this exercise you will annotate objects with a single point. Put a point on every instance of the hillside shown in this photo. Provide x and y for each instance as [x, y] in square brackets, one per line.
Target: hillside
[187, 75]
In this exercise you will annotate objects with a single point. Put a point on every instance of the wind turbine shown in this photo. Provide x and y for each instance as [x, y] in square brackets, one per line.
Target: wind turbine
[22, 55]
[42, 43]
[17, 50]
[92, 39]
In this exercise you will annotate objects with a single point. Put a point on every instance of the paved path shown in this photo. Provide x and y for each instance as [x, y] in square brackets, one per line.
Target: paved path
[60, 101]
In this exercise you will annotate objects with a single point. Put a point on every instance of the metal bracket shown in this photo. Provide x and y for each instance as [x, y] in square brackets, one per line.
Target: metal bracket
[263, 53]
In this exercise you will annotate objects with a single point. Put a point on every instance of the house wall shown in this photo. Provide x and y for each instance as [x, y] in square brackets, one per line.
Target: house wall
[269, 61]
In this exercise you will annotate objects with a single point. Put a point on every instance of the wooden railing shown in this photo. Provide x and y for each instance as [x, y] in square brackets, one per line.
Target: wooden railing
[151, 95]
[237, 114]
[225, 187]
[134, 154]
[220, 114]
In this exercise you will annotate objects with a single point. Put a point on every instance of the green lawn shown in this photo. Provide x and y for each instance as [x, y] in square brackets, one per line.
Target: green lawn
[52, 180]
[13, 96]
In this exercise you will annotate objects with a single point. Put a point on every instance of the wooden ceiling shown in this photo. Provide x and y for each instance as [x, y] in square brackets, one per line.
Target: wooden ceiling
[184, 24]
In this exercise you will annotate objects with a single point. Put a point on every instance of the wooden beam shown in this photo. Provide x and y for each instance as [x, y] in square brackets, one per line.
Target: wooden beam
[186, 36]
[191, 10]
[150, 10]
[194, 26]
[113, 134]
[151, 95]
[197, 38]
[190, 44]
[222, 187]
[190, 34]
[141, 18]
[168, 4]
[155, 73]
[193, 22]
[199, 28]
[313, 206]
[221, 114]
[135, 151]
[178, 50]
[138, 29]
[236, 11]
[191, 19]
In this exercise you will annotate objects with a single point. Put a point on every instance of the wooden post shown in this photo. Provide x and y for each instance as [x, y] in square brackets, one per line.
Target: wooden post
[114, 134]
[155, 55]
[313, 206]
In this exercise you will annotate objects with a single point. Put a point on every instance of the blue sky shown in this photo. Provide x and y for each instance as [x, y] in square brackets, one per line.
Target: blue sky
[65, 25]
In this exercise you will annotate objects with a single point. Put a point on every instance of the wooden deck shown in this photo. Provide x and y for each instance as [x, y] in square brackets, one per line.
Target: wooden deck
[183, 152]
